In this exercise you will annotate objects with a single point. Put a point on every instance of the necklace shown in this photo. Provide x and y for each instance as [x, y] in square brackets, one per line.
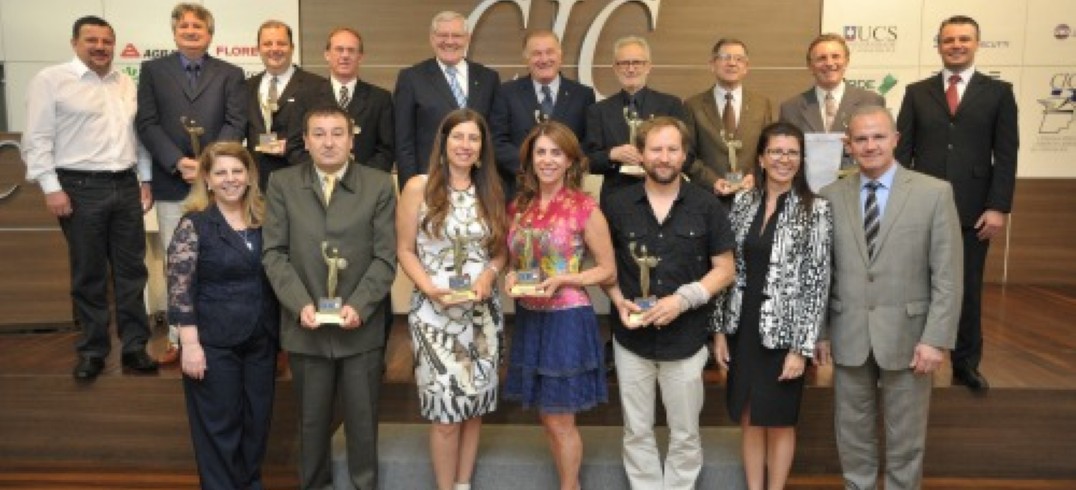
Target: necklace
[247, 235]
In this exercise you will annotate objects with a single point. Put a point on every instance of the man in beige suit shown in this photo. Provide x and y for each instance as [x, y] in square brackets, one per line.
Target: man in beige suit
[708, 115]
[316, 212]
[894, 302]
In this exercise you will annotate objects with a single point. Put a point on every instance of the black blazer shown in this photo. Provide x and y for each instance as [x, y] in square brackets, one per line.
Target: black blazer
[513, 117]
[607, 128]
[218, 104]
[287, 121]
[226, 293]
[371, 110]
[975, 150]
[422, 99]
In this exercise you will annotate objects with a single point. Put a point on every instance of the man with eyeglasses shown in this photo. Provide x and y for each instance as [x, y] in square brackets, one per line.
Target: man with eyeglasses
[543, 94]
[609, 123]
[370, 106]
[723, 116]
[824, 108]
[429, 90]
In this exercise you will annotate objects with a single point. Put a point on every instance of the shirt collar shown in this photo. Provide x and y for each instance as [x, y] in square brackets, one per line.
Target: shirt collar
[461, 67]
[886, 180]
[339, 174]
[81, 70]
[965, 75]
[838, 92]
[719, 93]
[554, 86]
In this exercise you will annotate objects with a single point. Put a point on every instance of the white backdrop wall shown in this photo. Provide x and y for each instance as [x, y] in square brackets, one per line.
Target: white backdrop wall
[35, 34]
[1029, 43]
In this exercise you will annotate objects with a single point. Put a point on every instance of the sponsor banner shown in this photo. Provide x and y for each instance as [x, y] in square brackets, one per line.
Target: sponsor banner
[1050, 33]
[1001, 40]
[884, 35]
[1047, 101]
[889, 83]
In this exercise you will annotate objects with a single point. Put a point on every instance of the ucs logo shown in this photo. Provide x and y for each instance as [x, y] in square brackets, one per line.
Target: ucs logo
[870, 33]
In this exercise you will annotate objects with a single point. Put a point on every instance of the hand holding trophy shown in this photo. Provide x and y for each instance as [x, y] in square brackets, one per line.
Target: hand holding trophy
[329, 307]
[459, 283]
[646, 263]
[528, 276]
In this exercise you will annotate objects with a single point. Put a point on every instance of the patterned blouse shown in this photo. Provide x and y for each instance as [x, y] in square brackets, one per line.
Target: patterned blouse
[798, 278]
[555, 239]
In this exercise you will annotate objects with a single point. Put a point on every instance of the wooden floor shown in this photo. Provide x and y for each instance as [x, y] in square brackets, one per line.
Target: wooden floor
[1027, 420]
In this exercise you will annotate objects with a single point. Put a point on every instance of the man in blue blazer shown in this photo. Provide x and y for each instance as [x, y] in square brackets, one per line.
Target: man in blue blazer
[612, 155]
[543, 94]
[183, 97]
[429, 90]
[272, 97]
[973, 145]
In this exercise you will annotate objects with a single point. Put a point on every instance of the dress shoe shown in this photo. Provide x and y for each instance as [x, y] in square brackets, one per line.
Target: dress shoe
[139, 362]
[88, 368]
[169, 356]
[971, 378]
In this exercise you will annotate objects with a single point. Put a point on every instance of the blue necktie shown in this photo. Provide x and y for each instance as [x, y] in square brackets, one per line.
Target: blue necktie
[454, 84]
[546, 105]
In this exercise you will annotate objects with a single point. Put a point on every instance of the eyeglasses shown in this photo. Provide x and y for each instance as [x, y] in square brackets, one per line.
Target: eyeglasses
[777, 154]
[735, 58]
[631, 63]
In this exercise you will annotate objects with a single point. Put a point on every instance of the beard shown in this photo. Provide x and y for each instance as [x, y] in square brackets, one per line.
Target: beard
[662, 174]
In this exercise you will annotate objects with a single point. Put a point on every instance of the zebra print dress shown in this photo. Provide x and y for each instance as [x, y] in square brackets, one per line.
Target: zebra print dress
[457, 350]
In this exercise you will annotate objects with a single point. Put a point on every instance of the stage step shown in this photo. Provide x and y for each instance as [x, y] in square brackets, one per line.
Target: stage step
[517, 457]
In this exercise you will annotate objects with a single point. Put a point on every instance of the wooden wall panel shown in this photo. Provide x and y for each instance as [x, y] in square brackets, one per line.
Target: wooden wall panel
[1042, 244]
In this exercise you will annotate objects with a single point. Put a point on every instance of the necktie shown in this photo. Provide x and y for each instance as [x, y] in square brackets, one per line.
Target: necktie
[454, 84]
[633, 106]
[547, 101]
[193, 70]
[728, 116]
[329, 184]
[831, 110]
[871, 217]
[952, 95]
[345, 99]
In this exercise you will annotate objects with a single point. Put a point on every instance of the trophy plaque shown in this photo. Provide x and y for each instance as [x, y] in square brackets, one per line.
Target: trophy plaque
[540, 117]
[528, 274]
[735, 175]
[194, 131]
[329, 307]
[646, 264]
[268, 143]
[458, 282]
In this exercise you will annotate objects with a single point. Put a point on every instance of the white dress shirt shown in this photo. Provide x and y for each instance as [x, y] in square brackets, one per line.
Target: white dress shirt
[78, 120]
[965, 77]
[737, 100]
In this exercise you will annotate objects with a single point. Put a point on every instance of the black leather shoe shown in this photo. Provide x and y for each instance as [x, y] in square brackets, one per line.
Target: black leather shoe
[971, 378]
[88, 368]
[139, 362]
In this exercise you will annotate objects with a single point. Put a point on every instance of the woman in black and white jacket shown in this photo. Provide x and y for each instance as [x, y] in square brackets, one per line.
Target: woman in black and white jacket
[767, 322]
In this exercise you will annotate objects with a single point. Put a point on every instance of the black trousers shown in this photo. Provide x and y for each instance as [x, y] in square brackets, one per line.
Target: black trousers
[969, 338]
[105, 233]
[229, 412]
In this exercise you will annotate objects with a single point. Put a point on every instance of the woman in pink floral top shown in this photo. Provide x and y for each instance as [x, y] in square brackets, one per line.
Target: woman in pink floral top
[555, 362]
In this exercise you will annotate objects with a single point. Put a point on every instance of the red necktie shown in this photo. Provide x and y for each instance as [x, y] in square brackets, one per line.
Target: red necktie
[952, 96]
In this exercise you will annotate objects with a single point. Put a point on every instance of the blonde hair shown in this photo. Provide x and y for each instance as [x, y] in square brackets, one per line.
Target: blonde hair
[200, 196]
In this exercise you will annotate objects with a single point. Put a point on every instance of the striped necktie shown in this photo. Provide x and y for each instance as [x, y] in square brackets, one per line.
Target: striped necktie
[871, 217]
[454, 84]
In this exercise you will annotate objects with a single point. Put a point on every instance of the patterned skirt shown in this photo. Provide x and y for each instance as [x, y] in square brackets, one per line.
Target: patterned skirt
[555, 360]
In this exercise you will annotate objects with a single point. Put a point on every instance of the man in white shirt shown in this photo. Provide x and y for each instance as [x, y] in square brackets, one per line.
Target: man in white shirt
[80, 146]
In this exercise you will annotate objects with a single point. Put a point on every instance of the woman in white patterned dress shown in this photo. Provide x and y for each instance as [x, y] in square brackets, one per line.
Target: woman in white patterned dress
[451, 223]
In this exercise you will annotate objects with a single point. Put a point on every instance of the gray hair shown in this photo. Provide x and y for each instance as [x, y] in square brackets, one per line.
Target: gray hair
[201, 13]
[448, 16]
[629, 40]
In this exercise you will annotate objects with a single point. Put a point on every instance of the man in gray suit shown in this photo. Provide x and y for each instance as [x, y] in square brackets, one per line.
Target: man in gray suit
[825, 107]
[186, 97]
[332, 213]
[724, 113]
[894, 302]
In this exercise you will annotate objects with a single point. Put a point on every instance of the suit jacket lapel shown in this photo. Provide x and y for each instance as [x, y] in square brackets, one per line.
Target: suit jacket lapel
[439, 80]
[812, 112]
[474, 85]
[975, 87]
[898, 197]
[205, 77]
[257, 122]
[561, 104]
[709, 108]
[854, 212]
[227, 234]
[934, 88]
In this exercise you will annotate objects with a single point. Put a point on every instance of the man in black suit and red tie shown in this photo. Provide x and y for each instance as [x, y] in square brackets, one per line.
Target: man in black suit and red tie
[960, 126]
[543, 94]
[273, 95]
[430, 89]
[607, 144]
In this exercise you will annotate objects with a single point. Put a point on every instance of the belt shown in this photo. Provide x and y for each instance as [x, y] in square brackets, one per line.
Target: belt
[97, 174]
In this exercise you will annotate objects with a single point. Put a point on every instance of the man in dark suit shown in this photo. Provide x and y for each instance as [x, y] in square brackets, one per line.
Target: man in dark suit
[332, 210]
[609, 149]
[960, 125]
[543, 94]
[272, 99]
[894, 303]
[429, 90]
[825, 107]
[185, 97]
[370, 106]
[713, 126]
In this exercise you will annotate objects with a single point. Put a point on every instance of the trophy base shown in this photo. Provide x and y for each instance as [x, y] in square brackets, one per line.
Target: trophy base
[526, 290]
[328, 318]
[269, 147]
[457, 296]
[632, 170]
[635, 319]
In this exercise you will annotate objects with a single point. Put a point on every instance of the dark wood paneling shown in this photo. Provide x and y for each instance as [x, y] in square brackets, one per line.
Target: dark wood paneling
[1042, 244]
